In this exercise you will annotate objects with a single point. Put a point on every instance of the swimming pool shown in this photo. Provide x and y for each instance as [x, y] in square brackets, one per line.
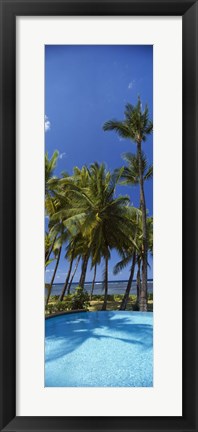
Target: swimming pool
[99, 349]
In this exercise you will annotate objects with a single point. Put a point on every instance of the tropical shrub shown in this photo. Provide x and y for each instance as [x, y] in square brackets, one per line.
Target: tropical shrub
[118, 297]
[79, 300]
[56, 307]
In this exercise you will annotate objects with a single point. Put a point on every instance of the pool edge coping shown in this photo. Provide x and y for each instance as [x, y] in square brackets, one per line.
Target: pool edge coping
[65, 313]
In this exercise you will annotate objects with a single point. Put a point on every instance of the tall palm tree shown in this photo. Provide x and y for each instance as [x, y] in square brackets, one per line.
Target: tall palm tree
[136, 126]
[129, 175]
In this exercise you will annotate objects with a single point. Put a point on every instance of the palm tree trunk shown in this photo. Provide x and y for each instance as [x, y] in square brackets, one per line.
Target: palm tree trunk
[48, 253]
[54, 274]
[143, 293]
[138, 282]
[104, 306]
[129, 284]
[73, 274]
[84, 270]
[66, 281]
[93, 282]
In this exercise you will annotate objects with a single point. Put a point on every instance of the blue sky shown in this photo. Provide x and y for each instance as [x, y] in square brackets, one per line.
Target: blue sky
[84, 87]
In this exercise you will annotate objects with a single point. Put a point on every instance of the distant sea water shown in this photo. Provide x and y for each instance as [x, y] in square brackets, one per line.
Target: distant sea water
[114, 287]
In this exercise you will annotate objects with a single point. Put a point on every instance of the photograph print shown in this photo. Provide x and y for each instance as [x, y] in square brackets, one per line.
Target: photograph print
[98, 290]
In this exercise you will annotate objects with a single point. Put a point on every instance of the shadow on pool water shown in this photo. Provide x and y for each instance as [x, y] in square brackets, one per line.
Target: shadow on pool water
[67, 333]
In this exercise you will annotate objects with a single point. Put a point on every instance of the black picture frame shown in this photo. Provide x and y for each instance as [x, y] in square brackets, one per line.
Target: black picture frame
[188, 9]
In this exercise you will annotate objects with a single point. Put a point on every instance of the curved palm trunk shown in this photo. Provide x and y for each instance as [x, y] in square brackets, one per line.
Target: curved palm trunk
[138, 282]
[104, 306]
[93, 282]
[54, 274]
[66, 281]
[129, 284]
[73, 274]
[84, 270]
[48, 253]
[143, 292]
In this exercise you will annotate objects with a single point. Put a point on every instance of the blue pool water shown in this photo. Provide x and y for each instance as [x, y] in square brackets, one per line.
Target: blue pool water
[99, 349]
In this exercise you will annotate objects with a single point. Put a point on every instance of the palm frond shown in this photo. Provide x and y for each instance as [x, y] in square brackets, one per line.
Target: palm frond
[122, 264]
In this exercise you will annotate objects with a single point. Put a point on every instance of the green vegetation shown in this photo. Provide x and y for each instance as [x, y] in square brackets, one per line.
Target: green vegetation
[79, 300]
[113, 303]
[89, 221]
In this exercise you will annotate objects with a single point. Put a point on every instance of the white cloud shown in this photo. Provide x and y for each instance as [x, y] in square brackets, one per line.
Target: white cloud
[47, 124]
[62, 155]
[131, 85]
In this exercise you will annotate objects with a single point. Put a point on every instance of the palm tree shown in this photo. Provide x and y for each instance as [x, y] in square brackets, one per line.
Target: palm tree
[108, 219]
[102, 221]
[68, 214]
[134, 256]
[129, 175]
[58, 205]
[50, 204]
[57, 253]
[85, 259]
[129, 256]
[138, 280]
[69, 254]
[75, 249]
[136, 126]
[93, 281]
[49, 245]
[140, 257]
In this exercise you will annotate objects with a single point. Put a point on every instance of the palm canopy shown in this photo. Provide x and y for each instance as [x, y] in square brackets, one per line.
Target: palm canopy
[50, 165]
[137, 246]
[136, 124]
[129, 174]
[102, 219]
[51, 203]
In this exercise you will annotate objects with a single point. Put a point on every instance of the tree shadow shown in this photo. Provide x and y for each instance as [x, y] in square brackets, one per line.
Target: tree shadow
[66, 333]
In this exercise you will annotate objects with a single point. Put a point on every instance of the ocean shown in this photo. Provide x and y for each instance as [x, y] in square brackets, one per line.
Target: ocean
[114, 287]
